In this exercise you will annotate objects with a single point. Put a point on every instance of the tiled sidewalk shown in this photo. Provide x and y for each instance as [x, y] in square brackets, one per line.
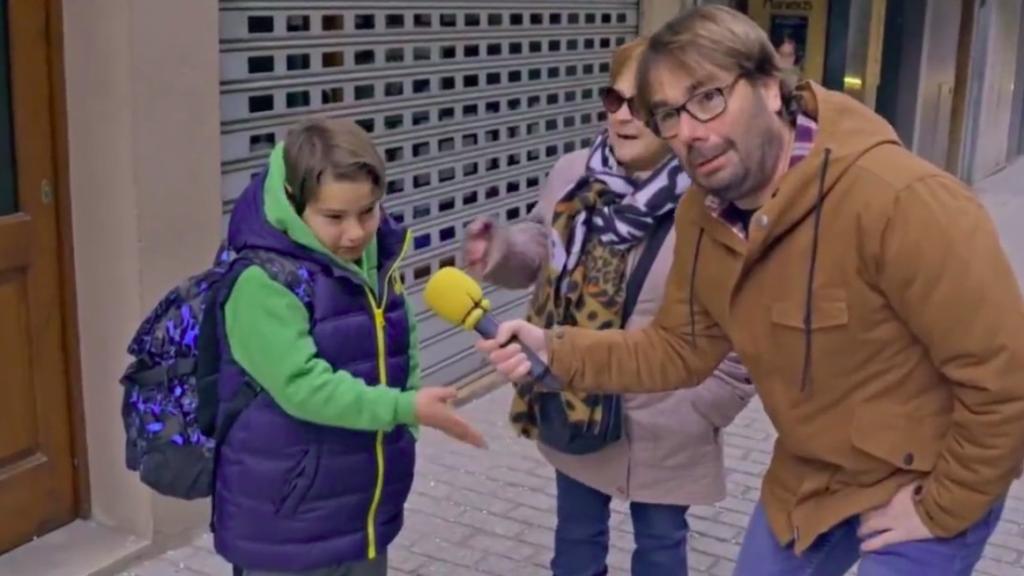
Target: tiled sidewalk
[491, 512]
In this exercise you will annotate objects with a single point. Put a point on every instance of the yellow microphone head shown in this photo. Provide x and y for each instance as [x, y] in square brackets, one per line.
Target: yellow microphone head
[456, 297]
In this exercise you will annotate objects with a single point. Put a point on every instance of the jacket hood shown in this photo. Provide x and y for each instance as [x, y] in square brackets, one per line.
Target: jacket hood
[263, 218]
[847, 130]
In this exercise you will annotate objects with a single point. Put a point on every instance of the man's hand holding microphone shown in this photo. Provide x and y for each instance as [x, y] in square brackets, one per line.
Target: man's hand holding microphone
[516, 349]
[506, 350]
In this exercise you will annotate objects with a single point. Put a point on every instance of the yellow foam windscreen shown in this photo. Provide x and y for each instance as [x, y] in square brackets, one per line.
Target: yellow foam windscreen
[456, 297]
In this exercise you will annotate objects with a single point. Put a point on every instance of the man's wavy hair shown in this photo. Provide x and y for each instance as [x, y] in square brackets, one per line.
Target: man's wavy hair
[713, 38]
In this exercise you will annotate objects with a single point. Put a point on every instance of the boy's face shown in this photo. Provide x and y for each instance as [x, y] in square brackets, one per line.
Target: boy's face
[344, 216]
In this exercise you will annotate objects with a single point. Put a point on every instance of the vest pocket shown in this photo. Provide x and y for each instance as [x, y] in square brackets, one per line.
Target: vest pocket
[298, 482]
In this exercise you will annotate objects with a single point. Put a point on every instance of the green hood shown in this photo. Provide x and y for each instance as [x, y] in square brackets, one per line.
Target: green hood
[281, 215]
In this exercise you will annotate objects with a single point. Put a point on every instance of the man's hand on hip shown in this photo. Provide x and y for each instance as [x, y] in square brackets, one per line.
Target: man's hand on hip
[893, 523]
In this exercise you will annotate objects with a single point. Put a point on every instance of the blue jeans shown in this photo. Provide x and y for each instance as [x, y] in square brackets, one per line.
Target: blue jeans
[836, 551]
[581, 535]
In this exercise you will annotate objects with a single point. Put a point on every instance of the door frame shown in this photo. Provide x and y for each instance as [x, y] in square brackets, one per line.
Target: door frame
[66, 257]
[962, 88]
[988, 84]
[42, 477]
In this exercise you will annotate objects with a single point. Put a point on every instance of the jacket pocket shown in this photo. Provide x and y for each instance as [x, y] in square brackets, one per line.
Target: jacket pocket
[828, 310]
[830, 336]
[298, 482]
[901, 440]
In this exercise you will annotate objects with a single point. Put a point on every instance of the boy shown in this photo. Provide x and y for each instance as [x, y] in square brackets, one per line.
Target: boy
[313, 477]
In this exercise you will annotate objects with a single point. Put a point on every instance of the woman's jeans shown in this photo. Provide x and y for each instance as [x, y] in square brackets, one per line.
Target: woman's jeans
[581, 536]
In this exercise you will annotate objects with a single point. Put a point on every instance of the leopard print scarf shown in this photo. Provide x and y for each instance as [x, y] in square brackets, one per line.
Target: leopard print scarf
[595, 226]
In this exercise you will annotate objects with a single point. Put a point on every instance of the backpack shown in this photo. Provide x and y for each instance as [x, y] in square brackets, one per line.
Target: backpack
[170, 402]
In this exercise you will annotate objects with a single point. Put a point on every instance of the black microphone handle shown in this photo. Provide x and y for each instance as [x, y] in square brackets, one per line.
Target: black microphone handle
[539, 371]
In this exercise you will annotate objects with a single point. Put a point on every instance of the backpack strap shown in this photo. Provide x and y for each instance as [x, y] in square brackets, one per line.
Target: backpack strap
[208, 365]
[281, 269]
[285, 270]
[208, 375]
[643, 266]
[232, 410]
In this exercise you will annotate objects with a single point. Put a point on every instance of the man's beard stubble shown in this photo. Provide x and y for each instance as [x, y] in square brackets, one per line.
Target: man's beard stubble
[758, 158]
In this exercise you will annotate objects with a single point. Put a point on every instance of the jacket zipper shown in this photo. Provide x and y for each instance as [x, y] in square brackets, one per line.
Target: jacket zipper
[382, 368]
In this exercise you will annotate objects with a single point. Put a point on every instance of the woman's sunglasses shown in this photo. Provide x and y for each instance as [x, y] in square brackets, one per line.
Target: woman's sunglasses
[612, 100]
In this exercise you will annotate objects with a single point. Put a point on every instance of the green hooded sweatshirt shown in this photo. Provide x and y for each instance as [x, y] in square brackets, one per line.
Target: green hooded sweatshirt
[268, 330]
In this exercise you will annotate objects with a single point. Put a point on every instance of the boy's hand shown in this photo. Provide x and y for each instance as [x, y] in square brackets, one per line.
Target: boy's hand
[434, 409]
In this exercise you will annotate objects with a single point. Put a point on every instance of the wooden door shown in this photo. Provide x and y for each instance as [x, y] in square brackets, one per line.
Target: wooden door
[37, 490]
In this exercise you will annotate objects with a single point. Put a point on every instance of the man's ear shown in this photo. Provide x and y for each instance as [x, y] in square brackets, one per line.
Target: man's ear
[771, 91]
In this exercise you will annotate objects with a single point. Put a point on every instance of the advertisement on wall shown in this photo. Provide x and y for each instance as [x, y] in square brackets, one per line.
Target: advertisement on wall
[797, 30]
[789, 36]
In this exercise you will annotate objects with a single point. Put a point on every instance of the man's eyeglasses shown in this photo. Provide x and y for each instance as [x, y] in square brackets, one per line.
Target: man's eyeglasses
[704, 106]
[612, 100]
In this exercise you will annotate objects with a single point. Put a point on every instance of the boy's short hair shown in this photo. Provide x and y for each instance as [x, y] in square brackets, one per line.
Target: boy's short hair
[335, 146]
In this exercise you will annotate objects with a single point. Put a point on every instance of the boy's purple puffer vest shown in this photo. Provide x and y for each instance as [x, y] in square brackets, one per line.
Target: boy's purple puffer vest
[291, 495]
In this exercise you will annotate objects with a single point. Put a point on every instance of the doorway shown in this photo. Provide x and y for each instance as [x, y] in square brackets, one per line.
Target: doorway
[993, 69]
[899, 89]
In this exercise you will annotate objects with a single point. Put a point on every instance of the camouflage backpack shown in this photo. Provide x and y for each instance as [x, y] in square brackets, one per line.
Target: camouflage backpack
[170, 404]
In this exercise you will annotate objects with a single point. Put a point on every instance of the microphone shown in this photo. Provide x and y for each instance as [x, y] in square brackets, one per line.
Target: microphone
[459, 300]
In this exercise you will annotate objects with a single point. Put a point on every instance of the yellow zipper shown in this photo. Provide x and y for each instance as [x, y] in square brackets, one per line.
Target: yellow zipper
[382, 368]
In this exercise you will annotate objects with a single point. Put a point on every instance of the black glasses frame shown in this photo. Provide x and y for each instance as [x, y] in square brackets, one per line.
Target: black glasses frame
[724, 91]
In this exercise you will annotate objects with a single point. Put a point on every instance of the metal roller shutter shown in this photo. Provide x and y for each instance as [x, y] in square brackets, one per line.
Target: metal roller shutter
[470, 102]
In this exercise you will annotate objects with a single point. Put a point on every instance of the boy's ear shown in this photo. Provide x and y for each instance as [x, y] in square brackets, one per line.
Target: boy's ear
[293, 199]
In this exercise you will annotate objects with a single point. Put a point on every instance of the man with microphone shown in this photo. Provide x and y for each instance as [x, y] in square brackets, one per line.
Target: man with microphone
[865, 290]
